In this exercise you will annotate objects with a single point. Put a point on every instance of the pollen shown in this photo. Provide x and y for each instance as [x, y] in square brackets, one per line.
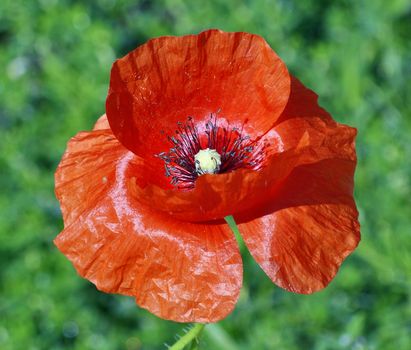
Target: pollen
[207, 161]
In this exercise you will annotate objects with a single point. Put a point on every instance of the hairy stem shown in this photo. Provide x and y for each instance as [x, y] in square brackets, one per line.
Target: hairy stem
[192, 335]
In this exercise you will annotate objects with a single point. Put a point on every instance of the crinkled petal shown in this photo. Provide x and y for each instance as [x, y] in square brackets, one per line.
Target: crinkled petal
[169, 79]
[309, 222]
[303, 121]
[307, 228]
[179, 271]
[305, 134]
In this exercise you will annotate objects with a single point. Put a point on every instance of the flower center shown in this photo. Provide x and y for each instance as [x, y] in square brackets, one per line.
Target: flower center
[207, 161]
[217, 149]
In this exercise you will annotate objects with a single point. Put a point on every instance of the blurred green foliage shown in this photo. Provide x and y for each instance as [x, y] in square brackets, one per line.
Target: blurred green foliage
[55, 59]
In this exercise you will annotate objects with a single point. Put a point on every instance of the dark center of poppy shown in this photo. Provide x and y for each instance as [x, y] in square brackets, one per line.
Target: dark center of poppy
[217, 149]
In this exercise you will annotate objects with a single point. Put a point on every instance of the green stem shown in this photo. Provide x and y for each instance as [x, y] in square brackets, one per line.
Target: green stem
[233, 226]
[192, 335]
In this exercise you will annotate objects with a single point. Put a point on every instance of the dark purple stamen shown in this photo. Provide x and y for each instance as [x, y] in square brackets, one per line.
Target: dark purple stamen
[236, 151]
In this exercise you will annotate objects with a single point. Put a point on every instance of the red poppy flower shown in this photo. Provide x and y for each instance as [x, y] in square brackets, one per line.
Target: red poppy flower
[200, 127]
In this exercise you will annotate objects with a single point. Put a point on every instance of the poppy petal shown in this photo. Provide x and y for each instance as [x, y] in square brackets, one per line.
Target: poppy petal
[304, 121]
[169, 79]
[303, 135]
[308, 227]
[309, 223]
[179, 271]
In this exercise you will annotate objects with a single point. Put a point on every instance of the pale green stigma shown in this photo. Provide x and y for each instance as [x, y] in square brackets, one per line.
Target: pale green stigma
[207, 161]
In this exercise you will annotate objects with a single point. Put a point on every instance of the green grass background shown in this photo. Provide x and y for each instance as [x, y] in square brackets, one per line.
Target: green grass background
[55, 59]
